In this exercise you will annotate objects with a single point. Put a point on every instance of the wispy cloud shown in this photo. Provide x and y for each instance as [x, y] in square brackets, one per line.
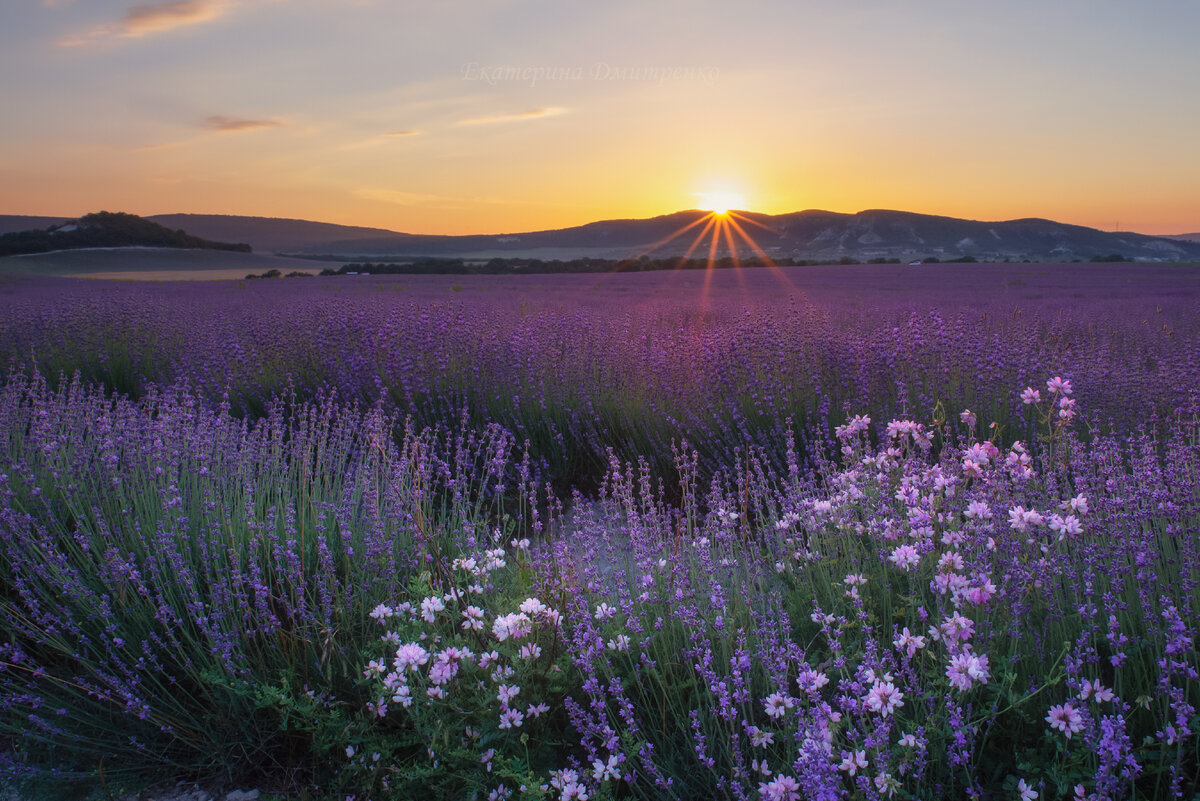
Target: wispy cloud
[143, 20]
[412, 132]
[219, 122]
[520, 116]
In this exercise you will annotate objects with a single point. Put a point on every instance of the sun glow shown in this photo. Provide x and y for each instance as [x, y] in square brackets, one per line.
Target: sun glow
[721, 201]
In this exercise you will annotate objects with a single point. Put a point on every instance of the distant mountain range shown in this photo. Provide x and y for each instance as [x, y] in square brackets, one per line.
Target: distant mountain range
[810, 235]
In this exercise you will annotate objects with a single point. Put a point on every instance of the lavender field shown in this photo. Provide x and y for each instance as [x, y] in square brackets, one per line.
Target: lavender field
[811, 532]
[581, 364]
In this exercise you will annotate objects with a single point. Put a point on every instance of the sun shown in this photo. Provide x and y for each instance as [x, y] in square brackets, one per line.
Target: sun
[721, 201]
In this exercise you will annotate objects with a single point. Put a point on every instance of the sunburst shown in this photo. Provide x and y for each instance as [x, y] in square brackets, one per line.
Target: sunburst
[719, 232]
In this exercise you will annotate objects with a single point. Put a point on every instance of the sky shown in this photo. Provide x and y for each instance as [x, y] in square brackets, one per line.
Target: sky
[446, 116]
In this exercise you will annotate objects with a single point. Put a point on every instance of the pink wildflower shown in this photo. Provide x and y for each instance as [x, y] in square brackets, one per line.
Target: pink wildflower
[852, 763]
[884, 698]
[1094, 689]
[760, 738]
[1059, 386]
[474, 618]
[966, 669]
[909, 643]
[604, 612]
[980, 593]
[1065, 718]
[781, 788]
[1068, 526]
[811, 681]
[905, 557]
[604, 771]
[516, 625]
[777, 705]
[532, 607]
[855, 425]
[511, 719]
[409, 656]
[430, 607]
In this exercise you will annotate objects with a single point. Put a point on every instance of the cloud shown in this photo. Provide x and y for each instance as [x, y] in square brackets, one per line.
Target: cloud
[219, 122]
[521, 116]
[413, 132]
[143, 20]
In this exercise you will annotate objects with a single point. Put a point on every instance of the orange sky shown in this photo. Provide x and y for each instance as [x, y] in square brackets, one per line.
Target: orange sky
[503, 115]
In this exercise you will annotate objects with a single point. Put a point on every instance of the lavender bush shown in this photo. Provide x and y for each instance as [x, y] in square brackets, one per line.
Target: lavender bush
[202, 584]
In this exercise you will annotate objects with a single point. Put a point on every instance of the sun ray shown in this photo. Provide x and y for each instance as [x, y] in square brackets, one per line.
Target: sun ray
[733, 252]
[710, 267]
[648, 249]
[752, 221]
[767, 261]
[709, 221]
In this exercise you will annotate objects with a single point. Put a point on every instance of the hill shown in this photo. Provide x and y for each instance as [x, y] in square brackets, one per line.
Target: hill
[268, 233]
[106, 230]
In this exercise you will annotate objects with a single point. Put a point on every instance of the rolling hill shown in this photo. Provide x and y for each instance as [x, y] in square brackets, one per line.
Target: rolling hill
[268, 233]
